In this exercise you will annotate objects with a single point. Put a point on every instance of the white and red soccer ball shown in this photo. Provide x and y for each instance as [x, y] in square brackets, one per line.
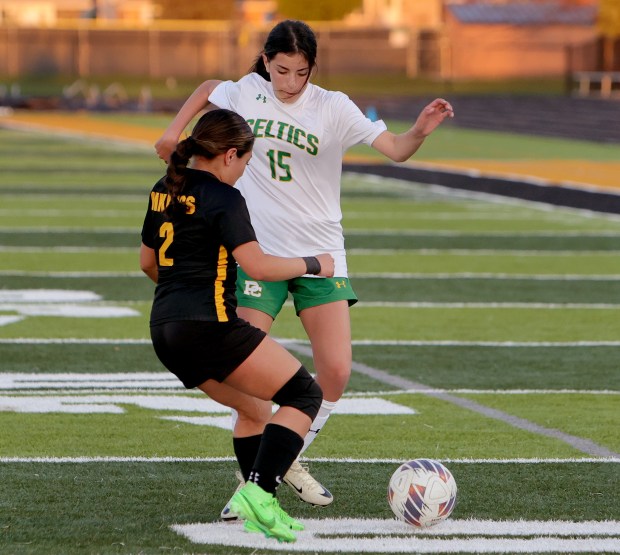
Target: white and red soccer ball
[422, 492]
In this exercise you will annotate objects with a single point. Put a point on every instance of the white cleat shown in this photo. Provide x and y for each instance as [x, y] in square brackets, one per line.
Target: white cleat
[226, 514]
[306, 487]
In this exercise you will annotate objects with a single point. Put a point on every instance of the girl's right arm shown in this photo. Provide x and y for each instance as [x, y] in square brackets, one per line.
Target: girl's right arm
[198, 101]
[266, 267]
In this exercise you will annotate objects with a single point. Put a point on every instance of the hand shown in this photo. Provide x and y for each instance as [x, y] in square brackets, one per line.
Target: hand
[432, 115]
[165, 146]
[327, 265]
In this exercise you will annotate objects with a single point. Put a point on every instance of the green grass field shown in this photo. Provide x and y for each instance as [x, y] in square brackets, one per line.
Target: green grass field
[487, 336]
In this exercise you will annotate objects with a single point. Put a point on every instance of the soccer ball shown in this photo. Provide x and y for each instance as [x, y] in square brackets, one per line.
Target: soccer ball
[422, 492]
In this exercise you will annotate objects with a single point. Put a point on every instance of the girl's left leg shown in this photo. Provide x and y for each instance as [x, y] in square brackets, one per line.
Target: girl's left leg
[329, 329]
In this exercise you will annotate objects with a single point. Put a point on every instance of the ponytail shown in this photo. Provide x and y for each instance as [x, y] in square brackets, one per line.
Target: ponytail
[176, 174]
[215, 133]
[259, 67]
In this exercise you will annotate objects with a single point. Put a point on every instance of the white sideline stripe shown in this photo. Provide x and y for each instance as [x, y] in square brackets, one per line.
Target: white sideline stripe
[585, 445]
[58, 229]
[68, 250]
[469, 234]
[72, 341]
[148, 381]
[406, 184]
[477, 213]
[57, 307]
[64, 212]
[6, 320]
[47, 296]
[492, 391]
[62, 310]
[346, 460]
[484, 252]
[16, 273]
[357, 275]
[546, 306]
[391, 536]
[356, 231]
[106, 403]
[449, 343]
[304, 341]
[486, 275]
[352, 252]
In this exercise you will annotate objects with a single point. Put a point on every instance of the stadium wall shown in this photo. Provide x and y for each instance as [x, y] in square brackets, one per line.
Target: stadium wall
[181, 50]
[486, 51]
[223, 49]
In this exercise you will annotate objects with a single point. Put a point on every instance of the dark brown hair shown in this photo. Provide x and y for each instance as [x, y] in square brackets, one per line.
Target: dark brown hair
[287, 37]
[215, 133]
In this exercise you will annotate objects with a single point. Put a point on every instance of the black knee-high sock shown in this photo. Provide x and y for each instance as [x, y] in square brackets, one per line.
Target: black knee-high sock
[278, 449]
[246, 450]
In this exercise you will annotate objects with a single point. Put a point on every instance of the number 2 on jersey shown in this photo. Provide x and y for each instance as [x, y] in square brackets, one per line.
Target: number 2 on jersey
[167, 232]
[280, 170]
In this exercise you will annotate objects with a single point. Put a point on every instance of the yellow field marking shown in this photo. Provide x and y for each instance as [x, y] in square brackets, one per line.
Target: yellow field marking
[82, 124]
[557, 172]
[579, 173]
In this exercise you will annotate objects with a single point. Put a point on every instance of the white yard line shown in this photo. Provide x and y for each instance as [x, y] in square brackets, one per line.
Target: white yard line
[392, 536]
[345, 460]
[303, 341]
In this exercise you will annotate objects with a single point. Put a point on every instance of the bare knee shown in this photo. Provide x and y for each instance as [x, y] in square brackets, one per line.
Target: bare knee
[255, 413]
[333, 379]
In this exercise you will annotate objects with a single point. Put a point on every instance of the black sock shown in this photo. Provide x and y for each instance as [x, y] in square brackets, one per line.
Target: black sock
[278, 449]
[246, 450]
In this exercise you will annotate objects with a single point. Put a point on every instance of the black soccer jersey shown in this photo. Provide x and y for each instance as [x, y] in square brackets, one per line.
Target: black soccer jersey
[197, 271]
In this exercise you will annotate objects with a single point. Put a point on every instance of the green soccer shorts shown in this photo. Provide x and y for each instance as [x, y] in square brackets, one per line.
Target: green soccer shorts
[270, 296]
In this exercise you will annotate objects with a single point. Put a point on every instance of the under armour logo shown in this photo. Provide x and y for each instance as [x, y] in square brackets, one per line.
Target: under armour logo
[261, 97]
[340, 284]
[252, 288]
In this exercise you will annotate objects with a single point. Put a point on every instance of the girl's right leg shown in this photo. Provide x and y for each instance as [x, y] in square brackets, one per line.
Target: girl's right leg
[272, 373]
[299, 479]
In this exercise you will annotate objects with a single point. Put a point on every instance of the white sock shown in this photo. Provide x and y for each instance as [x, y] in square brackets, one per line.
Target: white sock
[233, 419]
[324, 412]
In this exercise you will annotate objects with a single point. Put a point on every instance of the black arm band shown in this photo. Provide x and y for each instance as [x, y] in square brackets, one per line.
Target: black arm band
[313, 266]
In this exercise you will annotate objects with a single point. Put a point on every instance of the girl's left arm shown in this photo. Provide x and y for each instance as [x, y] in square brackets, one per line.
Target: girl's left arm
[403, 146]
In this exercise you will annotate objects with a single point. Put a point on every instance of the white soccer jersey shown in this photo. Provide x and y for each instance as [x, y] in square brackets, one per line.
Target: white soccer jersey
[292, 183]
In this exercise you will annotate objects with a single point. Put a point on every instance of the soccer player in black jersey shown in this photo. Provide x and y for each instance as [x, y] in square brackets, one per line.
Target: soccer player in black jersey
[196, 230]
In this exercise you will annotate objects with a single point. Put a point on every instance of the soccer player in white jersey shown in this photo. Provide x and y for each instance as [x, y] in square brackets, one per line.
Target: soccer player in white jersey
[292, 189]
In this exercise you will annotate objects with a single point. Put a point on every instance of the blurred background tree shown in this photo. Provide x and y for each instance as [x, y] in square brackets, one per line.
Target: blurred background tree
[317, 10]
[609, 18]
[196, 9]
[609, 26]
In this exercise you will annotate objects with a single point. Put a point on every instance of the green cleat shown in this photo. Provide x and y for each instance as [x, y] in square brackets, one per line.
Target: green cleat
[257, 508]
[287, 519]
[249, 526]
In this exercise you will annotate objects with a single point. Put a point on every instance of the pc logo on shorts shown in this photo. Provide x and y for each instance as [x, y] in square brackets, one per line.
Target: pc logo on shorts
[252, 288]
